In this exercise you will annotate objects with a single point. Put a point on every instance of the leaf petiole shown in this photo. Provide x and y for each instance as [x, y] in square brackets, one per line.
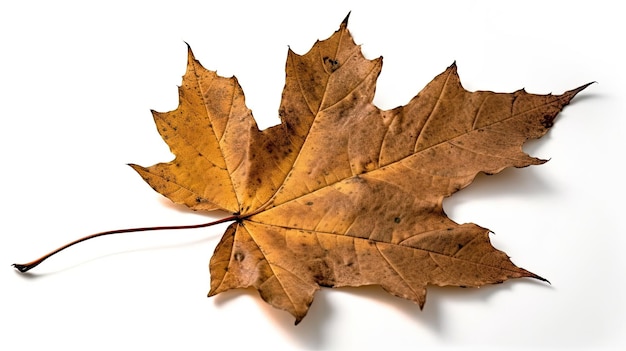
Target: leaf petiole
[23, 268]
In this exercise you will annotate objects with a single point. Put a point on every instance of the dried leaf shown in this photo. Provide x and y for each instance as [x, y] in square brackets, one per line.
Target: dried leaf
[342, 193]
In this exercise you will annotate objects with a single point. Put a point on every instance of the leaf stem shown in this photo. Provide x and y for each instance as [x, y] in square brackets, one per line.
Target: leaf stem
[23, 268]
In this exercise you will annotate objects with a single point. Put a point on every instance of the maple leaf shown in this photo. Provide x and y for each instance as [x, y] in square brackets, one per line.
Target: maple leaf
[342, 193]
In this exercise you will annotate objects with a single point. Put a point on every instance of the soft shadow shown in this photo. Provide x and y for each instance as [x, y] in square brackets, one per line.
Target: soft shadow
[35, 275]
[439, 295]
[29, 275]
[432, 315]
[227, 296]
[310, 333]
[510, 182]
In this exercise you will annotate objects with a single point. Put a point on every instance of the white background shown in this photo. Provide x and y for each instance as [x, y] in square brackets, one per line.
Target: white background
[78, 80]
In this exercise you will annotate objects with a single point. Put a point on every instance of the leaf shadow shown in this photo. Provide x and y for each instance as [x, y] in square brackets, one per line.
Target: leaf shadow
[512, 182]
[36, 275]
[312, 334]
[309, 333]
[438, 296]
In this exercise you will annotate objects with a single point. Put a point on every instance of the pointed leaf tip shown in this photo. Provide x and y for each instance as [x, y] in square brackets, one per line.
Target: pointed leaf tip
[189, 51]
[582, 87]
[570, 94]
[541, 278]
[344, 23]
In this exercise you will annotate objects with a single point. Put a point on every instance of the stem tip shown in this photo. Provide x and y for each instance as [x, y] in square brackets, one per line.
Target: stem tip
[23, 268]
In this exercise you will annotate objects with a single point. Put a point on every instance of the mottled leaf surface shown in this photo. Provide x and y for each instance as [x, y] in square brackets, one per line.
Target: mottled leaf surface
[342, 193]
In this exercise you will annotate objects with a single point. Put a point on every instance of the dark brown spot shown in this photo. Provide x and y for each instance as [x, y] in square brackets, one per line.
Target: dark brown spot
[333, 64]
[239, 256]
[547, 122]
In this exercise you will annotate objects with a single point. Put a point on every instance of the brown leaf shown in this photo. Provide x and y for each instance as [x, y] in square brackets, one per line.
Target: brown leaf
[342, 193]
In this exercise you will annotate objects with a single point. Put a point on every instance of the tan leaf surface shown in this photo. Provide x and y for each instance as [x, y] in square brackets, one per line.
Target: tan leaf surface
[342, 193]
